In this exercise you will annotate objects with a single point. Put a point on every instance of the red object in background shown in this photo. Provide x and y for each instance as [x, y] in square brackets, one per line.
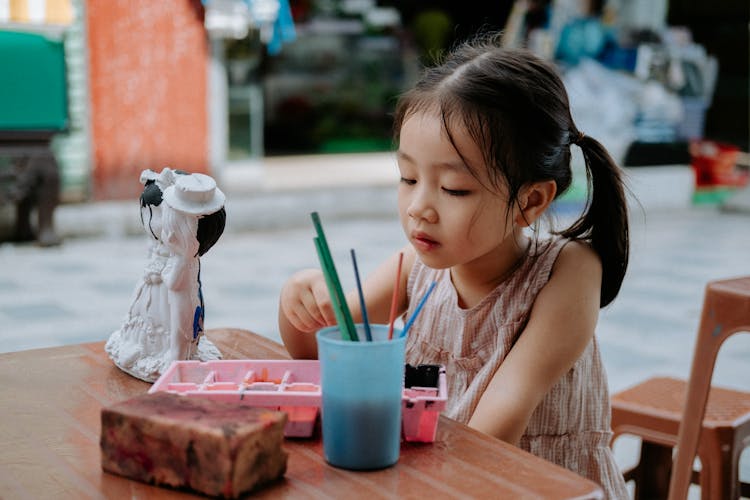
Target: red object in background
[715, 164]
[148, 63]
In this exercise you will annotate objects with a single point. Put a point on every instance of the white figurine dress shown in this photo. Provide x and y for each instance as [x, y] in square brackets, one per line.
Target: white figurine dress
[161, 325]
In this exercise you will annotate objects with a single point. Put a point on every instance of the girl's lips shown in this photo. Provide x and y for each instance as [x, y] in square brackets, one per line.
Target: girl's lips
[423, 243]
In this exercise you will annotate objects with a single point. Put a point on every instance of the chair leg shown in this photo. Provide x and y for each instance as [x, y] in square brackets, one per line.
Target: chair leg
[708, 481]
[718, 481]
[725, 312]
[695, 403]
[741, 442]
[719, 464]
[652, 473]
[745, 490]
[731, 473]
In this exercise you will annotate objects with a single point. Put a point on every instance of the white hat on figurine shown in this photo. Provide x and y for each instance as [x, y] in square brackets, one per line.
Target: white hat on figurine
[163, 179]
[148, 175]
[194, 194]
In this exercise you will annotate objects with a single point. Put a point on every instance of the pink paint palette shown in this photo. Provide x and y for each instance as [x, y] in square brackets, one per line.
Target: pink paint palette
[292, 387]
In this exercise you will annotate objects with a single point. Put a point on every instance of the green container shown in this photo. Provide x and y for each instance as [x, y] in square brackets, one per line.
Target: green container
[33, 89]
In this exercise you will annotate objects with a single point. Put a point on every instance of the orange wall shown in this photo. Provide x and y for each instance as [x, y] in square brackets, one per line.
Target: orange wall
[148, 63]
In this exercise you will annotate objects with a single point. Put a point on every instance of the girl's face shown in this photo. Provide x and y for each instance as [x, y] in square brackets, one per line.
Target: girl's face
[449, 216]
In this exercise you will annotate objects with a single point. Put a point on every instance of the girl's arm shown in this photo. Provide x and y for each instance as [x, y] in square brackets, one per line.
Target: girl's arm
[305, 305]
[560, 326]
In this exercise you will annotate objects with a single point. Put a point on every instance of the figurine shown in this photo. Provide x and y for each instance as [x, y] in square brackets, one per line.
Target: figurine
[184, 216]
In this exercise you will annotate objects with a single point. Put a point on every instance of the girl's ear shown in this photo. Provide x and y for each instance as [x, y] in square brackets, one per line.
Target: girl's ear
[533, 200]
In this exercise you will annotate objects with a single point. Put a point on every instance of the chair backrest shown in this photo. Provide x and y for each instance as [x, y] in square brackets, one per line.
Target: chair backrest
[726, 311]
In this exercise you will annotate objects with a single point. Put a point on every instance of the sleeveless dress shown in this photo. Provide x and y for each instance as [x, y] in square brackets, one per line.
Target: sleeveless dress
[571, 426]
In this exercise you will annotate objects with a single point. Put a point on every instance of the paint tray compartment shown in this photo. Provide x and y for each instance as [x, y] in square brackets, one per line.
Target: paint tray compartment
[293, 386]
[289, 386]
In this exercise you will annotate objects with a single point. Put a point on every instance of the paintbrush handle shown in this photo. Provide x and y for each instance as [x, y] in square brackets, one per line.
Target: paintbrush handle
[417, 310]
[329, 268]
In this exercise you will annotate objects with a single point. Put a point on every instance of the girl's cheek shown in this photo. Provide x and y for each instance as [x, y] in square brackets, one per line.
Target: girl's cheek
[403, 204]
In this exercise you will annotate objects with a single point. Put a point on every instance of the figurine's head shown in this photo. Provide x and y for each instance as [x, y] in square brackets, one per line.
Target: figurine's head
[197, 195]
[153, 186]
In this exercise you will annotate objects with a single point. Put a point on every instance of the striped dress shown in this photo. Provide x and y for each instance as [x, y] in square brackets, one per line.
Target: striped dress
[571, 426]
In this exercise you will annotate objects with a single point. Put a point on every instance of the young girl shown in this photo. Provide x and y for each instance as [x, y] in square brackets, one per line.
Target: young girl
[484, 147]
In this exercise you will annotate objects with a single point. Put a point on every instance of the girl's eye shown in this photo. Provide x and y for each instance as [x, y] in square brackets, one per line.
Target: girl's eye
[457, 192]
[408, 182]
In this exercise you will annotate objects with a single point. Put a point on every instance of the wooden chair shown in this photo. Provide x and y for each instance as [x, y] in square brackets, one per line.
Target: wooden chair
[710, 422]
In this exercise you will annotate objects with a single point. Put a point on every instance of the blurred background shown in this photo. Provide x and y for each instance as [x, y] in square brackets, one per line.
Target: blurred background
[224, 86]
[288, 103]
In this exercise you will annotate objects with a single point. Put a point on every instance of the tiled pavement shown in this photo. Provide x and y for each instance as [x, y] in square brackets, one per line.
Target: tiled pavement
[80, 291]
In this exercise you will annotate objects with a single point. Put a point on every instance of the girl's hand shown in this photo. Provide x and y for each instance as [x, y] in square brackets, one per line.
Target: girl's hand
[306, 303]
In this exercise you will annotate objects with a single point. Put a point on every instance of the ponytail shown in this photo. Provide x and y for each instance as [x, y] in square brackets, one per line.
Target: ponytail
[604, 223]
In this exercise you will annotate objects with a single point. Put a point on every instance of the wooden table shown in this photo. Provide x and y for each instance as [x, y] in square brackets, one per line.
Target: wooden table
[49, 441]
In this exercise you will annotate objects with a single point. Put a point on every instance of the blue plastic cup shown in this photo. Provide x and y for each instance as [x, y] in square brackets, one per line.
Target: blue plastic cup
[362, 386]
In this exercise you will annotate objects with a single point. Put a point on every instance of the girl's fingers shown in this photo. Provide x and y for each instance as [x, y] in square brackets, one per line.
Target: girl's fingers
[306, 302]
[313, 316]
[303, 323]
[323, 303]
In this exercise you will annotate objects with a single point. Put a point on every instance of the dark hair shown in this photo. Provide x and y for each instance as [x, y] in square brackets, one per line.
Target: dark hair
[150, 197]
[515, 107]
[210, 228]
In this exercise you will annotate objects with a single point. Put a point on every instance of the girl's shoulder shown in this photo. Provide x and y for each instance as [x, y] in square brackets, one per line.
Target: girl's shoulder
[578, 255]
[552, 255]
[576, 273]
[547, 252]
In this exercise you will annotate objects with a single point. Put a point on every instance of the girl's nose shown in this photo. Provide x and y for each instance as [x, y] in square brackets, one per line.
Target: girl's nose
[421, 208]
